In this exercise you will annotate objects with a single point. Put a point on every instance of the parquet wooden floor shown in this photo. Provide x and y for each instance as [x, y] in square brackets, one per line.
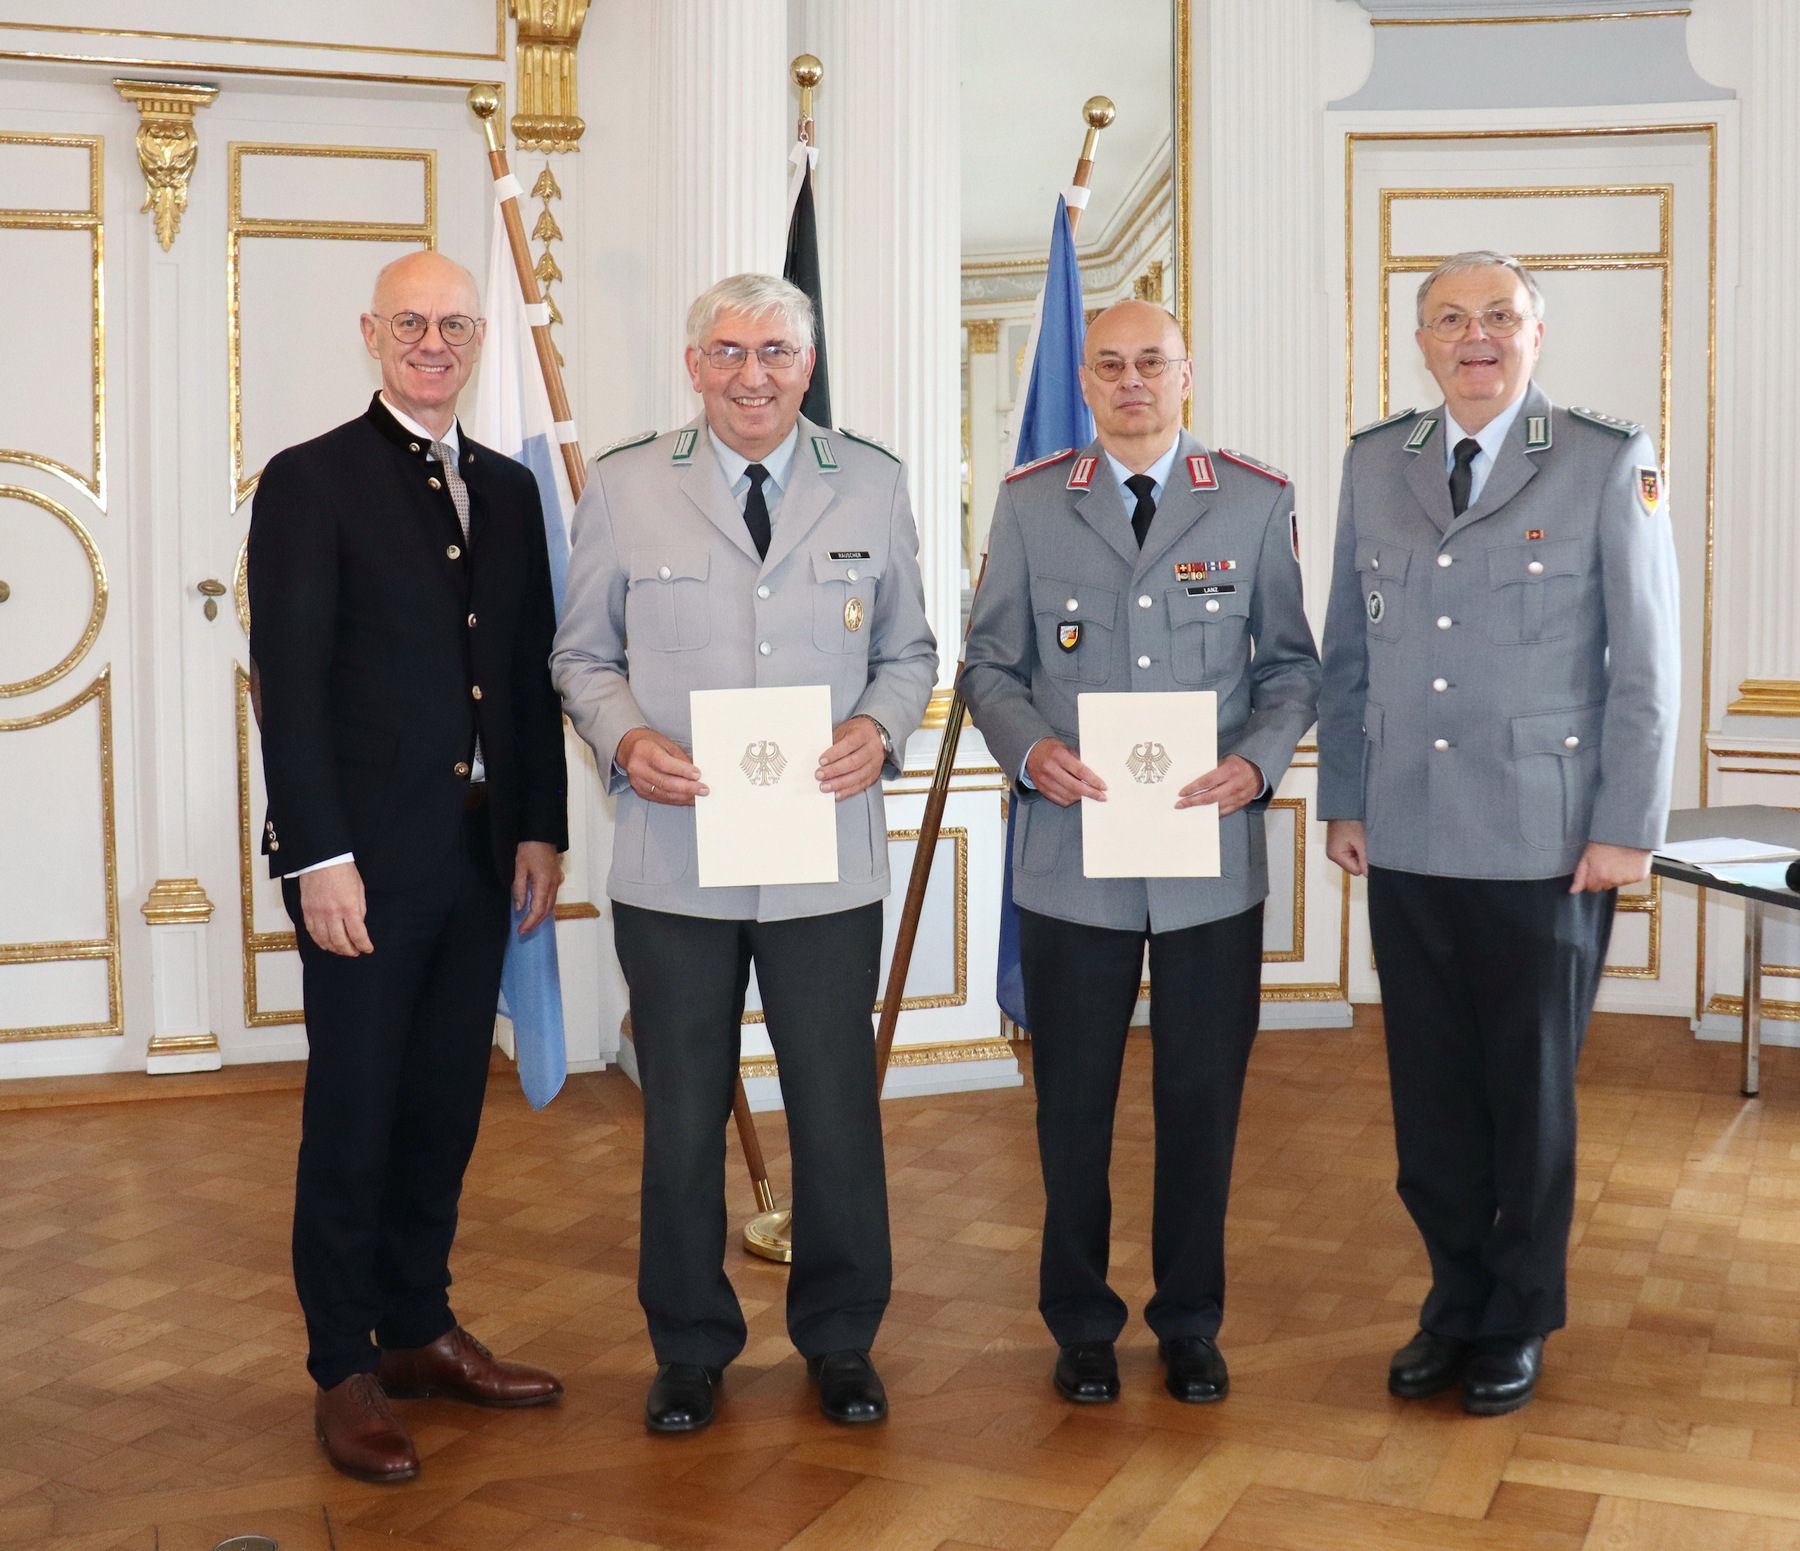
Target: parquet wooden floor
[152, 1396]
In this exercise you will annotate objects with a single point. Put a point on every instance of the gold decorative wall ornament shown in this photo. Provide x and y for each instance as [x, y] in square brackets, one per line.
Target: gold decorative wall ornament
[1766, 697]
[168, 145]
[984, 336]
[177, 902]
[549, 31]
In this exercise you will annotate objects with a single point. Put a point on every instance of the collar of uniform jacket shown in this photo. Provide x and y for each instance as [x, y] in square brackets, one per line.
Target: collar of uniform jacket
[416, 446]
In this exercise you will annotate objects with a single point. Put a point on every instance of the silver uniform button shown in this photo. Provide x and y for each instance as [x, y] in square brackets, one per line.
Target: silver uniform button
[1071, 604]
[1212, 605]
[1440, 685]
[412, 446]
[454, 552]
[1443, 622]
[1441, 744]
[850, 575]
[664, 573]
[1571, 742]
[1443, 560]
[1143, 662]
[1375, 564]
[474, 691]
[765, 648]
[1536, 568]
[763, 591]
[1144, 601]
[471, 621]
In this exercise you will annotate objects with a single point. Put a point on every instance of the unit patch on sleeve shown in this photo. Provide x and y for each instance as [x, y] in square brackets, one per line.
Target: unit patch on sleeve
[1649, 489]
[1294, 533]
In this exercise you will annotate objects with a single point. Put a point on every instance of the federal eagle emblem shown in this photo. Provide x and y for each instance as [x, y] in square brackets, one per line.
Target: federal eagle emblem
[763, 762]
[1148, 763]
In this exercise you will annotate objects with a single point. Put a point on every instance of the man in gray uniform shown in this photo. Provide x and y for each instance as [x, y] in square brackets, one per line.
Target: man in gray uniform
[1496, 743]
[751, 548]
[1143, 562]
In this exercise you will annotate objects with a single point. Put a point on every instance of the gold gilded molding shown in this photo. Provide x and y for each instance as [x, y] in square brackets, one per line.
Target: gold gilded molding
[177, 902]
[90, 221]
[949, 1053]
[1184, 182]
[240, 229]
[578, 910]
[549, 33]
[216, 67]
[1523, 21]
[255, 943]
[182, 1045]
[107, 947]
[168, 145]
[498, 52]
[1766, 697]
[1148, 287]
[240, 585]
[984, 335]
[1297, 953]
[96, 615]
[1649, 904]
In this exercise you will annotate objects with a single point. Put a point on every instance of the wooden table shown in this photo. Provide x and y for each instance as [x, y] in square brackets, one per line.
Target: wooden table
[1773, 826]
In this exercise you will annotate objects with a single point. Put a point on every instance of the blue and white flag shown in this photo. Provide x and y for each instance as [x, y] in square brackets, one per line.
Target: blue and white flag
[512, 415]
[1054, 416]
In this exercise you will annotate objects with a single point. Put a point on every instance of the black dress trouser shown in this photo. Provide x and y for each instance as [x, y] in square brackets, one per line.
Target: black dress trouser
[1081, 985]
[1487, 985]
[397, 1071]
[817, 974]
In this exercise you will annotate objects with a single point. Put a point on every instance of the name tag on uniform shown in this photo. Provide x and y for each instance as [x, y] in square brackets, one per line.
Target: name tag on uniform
[1202, 592]
[849, 554]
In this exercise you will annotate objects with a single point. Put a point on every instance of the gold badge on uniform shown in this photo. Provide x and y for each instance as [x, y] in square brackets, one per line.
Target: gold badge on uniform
[853, 614]
[1649, 489]
[1068, 635]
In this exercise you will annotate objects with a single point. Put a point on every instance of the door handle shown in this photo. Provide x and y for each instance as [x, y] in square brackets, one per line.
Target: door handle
[212, 590]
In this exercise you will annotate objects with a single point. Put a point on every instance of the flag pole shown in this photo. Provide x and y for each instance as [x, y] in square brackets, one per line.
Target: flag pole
[484, 103]
[1098, 112]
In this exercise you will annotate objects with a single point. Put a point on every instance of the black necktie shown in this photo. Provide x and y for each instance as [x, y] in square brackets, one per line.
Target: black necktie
[1463, 475]
[1140, 485]
[756, 510]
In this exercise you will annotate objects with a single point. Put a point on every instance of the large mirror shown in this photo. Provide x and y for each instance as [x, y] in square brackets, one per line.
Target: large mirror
[1027, 68]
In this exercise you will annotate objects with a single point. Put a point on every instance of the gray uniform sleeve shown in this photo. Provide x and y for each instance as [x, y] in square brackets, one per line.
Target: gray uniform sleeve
[1285, 670]
[1345, 685]
[588, 661]
[1643, 642]
[902, 650]
[1002, 646]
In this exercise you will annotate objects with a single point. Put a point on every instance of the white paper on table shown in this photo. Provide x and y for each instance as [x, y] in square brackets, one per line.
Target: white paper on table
[765, 820]
[1723, 848]
[1751, 875]
[1146, 747]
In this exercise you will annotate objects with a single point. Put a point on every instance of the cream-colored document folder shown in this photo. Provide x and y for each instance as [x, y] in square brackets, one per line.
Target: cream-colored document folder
[765, 819]
[1146, 747]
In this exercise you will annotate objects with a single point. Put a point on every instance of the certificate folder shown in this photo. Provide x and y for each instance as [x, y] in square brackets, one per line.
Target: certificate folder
[1146, 747]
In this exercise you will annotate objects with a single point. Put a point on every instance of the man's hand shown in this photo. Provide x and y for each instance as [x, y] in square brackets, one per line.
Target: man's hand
[853, 762]
[1234, 784]
[332, 905]
[537, 875]
[659, 768]
[1057, 772]
[1604, 867]
[1347, 844]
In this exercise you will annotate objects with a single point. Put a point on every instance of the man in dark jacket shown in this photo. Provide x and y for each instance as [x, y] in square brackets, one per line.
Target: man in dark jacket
[412, 751]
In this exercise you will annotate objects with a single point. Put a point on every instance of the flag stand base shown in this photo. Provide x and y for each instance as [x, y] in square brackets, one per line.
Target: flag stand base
[770, 1236]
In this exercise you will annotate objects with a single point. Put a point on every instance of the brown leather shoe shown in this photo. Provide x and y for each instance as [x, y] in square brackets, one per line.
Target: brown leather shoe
[458, 1367]
[361, 1434]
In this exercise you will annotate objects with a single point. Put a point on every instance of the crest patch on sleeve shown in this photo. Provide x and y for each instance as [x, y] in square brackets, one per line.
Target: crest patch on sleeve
[1649, 489]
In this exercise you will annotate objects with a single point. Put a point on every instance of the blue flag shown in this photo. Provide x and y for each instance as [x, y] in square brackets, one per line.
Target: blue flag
[513, 416]
[1054, 417]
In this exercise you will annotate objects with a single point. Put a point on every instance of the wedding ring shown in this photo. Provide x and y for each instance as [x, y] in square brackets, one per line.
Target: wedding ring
[652, 791]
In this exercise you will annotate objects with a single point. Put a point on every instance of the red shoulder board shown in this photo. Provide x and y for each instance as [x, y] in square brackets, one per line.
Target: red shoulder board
[1246, 461]
[1082, 475]
[1200, 471]
[1039, 463]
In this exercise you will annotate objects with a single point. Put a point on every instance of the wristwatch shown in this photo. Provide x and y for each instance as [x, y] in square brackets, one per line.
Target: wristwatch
[887, 743]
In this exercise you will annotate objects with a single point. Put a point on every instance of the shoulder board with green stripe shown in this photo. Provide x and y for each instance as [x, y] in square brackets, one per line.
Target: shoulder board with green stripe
[1376, 425]
[1611, 423]
[621, 445]
[868, 441]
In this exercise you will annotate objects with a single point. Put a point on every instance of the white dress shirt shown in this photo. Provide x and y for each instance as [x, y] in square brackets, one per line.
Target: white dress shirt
[779, 463]
[1490, 436]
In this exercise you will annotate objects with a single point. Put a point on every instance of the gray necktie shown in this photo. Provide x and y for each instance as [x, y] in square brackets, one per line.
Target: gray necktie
[459, 492]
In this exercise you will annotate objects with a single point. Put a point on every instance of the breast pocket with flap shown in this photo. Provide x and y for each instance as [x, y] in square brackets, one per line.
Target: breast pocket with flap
[844, 590]
[1075, 623]
[1209, 632]
[665, 603]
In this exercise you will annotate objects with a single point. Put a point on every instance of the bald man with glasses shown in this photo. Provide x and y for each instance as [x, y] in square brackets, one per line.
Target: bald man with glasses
[1142, 562]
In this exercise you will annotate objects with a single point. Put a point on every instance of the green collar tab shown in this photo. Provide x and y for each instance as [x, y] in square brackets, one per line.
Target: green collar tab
[822, 452]
[684, 445]
[1421, 434]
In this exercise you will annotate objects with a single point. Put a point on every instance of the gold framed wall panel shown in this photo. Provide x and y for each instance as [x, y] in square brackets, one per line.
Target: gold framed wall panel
[255, 943]
[1708, 132]
[92, 221]
[1297, 953]
[97, 612]
[240, 229]
[498, 53]
[950, 1053]
[1647, 904]
[104, 948]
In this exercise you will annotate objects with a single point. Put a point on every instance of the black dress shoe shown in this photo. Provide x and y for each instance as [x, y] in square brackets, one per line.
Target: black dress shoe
[1196, 1370]
[1427, 1365]
[1087, 1373]
[681, 1398]
[1502, 1375]
[849, 1387]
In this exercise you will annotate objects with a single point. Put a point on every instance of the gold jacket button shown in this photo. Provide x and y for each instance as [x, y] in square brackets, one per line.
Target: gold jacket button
[454, 552]
[435, 483]
[461, 768]
[471, 621]
[274, 845]
[412, 446]
[474, 691]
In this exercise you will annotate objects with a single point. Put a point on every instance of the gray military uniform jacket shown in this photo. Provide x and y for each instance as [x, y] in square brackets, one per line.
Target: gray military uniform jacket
[1501, 687]
[666, 595]
[1212, 601]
